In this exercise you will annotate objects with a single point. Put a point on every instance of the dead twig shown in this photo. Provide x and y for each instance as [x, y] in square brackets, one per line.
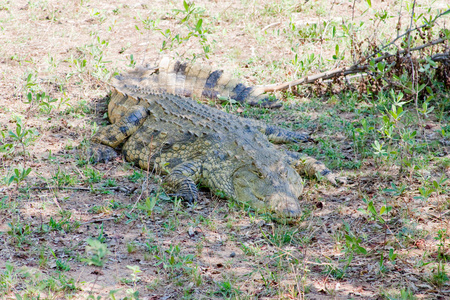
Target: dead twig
[354, 69]
[405, 33]
[270, 25]
[47, 188]
[97, 220]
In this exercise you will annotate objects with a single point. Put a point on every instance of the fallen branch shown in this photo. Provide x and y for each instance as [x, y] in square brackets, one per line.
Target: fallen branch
[356, 68]
[115, 188]
[97, 221]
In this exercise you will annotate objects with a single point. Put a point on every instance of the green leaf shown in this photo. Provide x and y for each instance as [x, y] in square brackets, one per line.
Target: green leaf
[371, 208]
[198, 27]
[369, 2]
[361, 250]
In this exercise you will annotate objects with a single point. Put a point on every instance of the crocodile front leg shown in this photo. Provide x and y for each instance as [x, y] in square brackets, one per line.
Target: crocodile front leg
[182, 180]
[311, 167]
[111, 136]
[279, 135]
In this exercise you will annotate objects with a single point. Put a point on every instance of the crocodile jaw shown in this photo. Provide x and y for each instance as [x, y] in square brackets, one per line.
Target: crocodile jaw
[272, 191]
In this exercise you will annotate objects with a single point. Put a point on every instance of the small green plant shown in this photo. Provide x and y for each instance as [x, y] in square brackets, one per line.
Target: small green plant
[97, 251]
[425, 193]
[149, 204]
[22, 135]
[61, 265]
[133, 294]
[43, 100]
[97, 51]
[56, 225]
[249, 249]
[98, 209]
[132, 62]
[441, 237]
[101, 234]
[6, 147]
[226, 289]
[18, 231]
[136, 176]
[135, 270]
[405, 294]
[172, 260]
[352, 242]
[381, 265]
[131, 247]
[395, 190]
[373, 213]
[338, 272]
[61, 178]
[8, 279]
[439, 276]
[281, 235]
[18, 175]
[93, 176]
[31, 82]
[110, 182]
[191, 19]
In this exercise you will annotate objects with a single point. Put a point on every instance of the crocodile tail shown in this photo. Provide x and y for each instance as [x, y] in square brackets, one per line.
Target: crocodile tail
[193, 80]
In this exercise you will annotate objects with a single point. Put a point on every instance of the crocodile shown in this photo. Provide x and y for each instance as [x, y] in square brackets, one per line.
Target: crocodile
[194, 143]
[197, 81]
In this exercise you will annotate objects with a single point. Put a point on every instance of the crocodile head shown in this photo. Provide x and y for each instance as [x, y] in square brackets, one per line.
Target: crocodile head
[275, 187]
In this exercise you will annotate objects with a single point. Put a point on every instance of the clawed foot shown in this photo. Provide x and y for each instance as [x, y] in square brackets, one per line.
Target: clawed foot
[98, 153]
[332, 178]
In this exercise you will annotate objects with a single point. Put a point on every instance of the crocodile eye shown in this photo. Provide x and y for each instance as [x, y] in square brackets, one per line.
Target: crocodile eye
[259, 174]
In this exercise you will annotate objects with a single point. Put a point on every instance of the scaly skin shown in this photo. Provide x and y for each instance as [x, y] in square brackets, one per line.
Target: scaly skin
[194, 80]
[192, 142]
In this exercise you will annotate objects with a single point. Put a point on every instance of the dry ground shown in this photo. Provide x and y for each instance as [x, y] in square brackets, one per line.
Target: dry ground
[215, 249]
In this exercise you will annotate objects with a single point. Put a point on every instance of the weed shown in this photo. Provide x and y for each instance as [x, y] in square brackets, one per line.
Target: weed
[18, 175]
[44, 101]
[19, 232]
[60, 264]
[405, 294]
[173, 261]
[136, 176]
[93, 176]
[439, 276]
[135, 270]
[441, 237]
[131, 247]
[249, 249]
[352, 242]
[149, 204]
[97, 251]
[373, 213]
[22, 135]
[226, 289]
[281, 235]
[190, 18]
[61, 178]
